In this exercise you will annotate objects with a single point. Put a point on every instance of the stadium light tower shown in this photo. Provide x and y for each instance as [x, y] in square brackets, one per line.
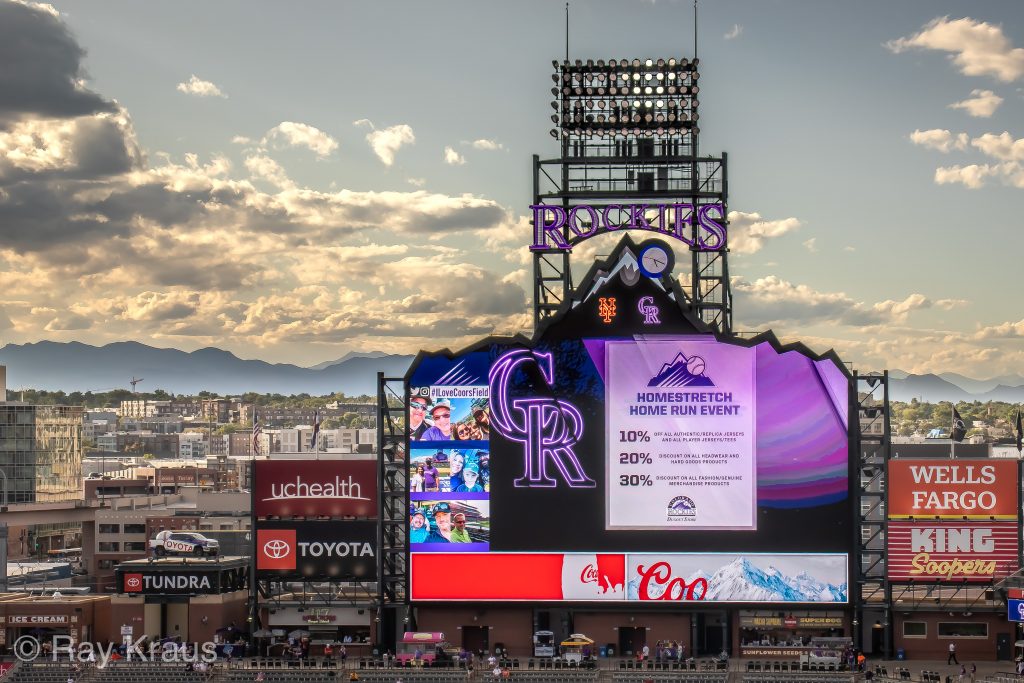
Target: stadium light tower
[629, 132]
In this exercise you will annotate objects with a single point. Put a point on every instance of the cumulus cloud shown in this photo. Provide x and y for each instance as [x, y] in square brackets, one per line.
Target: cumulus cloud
[386, 142]
[487, 145]
[772, 300]
[748, 231]
[971, 176]
[939, 139]
[981, 103]
[48, 80]
[811, 245]
[453, 158]
[1003, 146]
[200, 88]
[734, 32]
[977, 48]
[301, 135]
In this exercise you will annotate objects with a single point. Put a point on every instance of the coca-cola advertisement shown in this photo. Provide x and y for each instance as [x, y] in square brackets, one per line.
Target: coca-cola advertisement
[590, 577]
[728, 577]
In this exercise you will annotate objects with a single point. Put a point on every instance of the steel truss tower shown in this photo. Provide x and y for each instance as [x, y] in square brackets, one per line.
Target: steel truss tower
[629, 135]
[392, 478]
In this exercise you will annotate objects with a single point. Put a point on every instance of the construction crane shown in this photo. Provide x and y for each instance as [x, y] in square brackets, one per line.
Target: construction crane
[133, 381]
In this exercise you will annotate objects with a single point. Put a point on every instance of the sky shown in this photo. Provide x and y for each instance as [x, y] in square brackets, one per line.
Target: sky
[294, 181]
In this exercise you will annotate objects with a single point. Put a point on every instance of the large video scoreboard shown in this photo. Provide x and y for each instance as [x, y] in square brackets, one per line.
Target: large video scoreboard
[597, 463]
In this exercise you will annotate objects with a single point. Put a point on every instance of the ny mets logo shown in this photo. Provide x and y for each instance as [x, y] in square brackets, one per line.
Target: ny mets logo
[606, 308]
[547, 427]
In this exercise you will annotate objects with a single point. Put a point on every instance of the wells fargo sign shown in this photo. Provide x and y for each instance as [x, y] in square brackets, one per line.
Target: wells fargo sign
[951, 551]
[937, 489]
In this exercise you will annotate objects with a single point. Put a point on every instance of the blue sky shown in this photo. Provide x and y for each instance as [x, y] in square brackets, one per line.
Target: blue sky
[291, 181]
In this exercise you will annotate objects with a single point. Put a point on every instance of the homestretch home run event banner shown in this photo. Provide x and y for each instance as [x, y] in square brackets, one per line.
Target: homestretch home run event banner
[680, 428]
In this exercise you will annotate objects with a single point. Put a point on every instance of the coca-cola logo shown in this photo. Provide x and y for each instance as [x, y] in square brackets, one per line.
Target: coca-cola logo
[657, 583]
[589, 574]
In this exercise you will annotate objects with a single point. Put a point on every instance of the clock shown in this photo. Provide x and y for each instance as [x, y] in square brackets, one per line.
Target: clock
[655, 258]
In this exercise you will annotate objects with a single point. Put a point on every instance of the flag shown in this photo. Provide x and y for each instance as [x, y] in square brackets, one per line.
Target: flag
[1020, 433]
[257, 430]
[959, 430]
[316, 431]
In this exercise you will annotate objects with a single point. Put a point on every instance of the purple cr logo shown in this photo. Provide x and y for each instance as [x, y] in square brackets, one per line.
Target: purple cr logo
[648, 310]
[548, 428]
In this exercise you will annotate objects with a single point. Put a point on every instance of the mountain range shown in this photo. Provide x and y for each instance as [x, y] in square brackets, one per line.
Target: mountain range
[74, 366]
[950, 386]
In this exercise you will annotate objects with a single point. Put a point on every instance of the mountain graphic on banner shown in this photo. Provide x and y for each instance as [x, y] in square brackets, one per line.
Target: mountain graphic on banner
[682, 372]
[741, 580]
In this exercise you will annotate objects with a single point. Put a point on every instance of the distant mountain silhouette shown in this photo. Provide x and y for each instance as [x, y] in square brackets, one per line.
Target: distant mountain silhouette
[952, 387]
[75, 366]
[349, 356]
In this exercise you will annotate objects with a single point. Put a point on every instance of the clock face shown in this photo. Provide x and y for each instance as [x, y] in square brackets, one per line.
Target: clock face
[655, 260]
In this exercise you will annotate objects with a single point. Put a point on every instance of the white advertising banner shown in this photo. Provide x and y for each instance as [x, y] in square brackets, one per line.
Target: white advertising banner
[681, 435]
[732, 577]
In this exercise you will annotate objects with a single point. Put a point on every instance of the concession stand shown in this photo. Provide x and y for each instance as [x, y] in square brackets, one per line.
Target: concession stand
[775, 635]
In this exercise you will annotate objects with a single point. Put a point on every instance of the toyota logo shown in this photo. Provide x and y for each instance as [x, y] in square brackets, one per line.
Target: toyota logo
[133, 582]
[276, 549]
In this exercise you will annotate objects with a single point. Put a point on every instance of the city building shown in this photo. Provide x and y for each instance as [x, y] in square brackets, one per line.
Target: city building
[40, 452]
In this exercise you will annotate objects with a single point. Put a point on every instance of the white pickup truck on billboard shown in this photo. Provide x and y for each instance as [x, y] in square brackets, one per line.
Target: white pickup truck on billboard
[183, 543]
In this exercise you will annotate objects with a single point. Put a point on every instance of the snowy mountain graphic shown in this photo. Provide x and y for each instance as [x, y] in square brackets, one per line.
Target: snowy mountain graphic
[682, 372]
[458, 376]
[741, 580]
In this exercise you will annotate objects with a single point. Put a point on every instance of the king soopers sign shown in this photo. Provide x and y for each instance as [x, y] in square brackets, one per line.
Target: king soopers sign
[702, 228]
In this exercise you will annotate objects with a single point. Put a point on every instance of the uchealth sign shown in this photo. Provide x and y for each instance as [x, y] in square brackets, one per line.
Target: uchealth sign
[342, 551]
[951, 489]
[315, 488]
[632, 577]
[951, 551]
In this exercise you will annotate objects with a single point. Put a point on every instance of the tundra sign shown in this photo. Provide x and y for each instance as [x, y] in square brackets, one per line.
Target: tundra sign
[950, 489]
[315, 488]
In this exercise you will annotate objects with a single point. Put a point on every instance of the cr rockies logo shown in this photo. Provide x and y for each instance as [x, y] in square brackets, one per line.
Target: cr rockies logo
[547, 427]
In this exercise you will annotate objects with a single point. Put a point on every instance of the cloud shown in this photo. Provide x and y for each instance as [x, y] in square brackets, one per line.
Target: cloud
[977, 48]
[453, 158]
[811, 245]
[200, 88]
[771, 300]
[939, 139]
[1007, 330]
[748, 231]
[1003, 146]
[241, 140]
[386, 142]
[47, 81]
[487, 145]
[734, 32]
[68, 323]
[971, 176]
[302, 135]
[981, 104]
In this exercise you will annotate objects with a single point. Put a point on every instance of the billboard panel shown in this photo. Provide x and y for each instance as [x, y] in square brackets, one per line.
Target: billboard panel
[949, 489]
[609, 448]
[339, 551]
[951, 551]
[633, 577]
[314, 488]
